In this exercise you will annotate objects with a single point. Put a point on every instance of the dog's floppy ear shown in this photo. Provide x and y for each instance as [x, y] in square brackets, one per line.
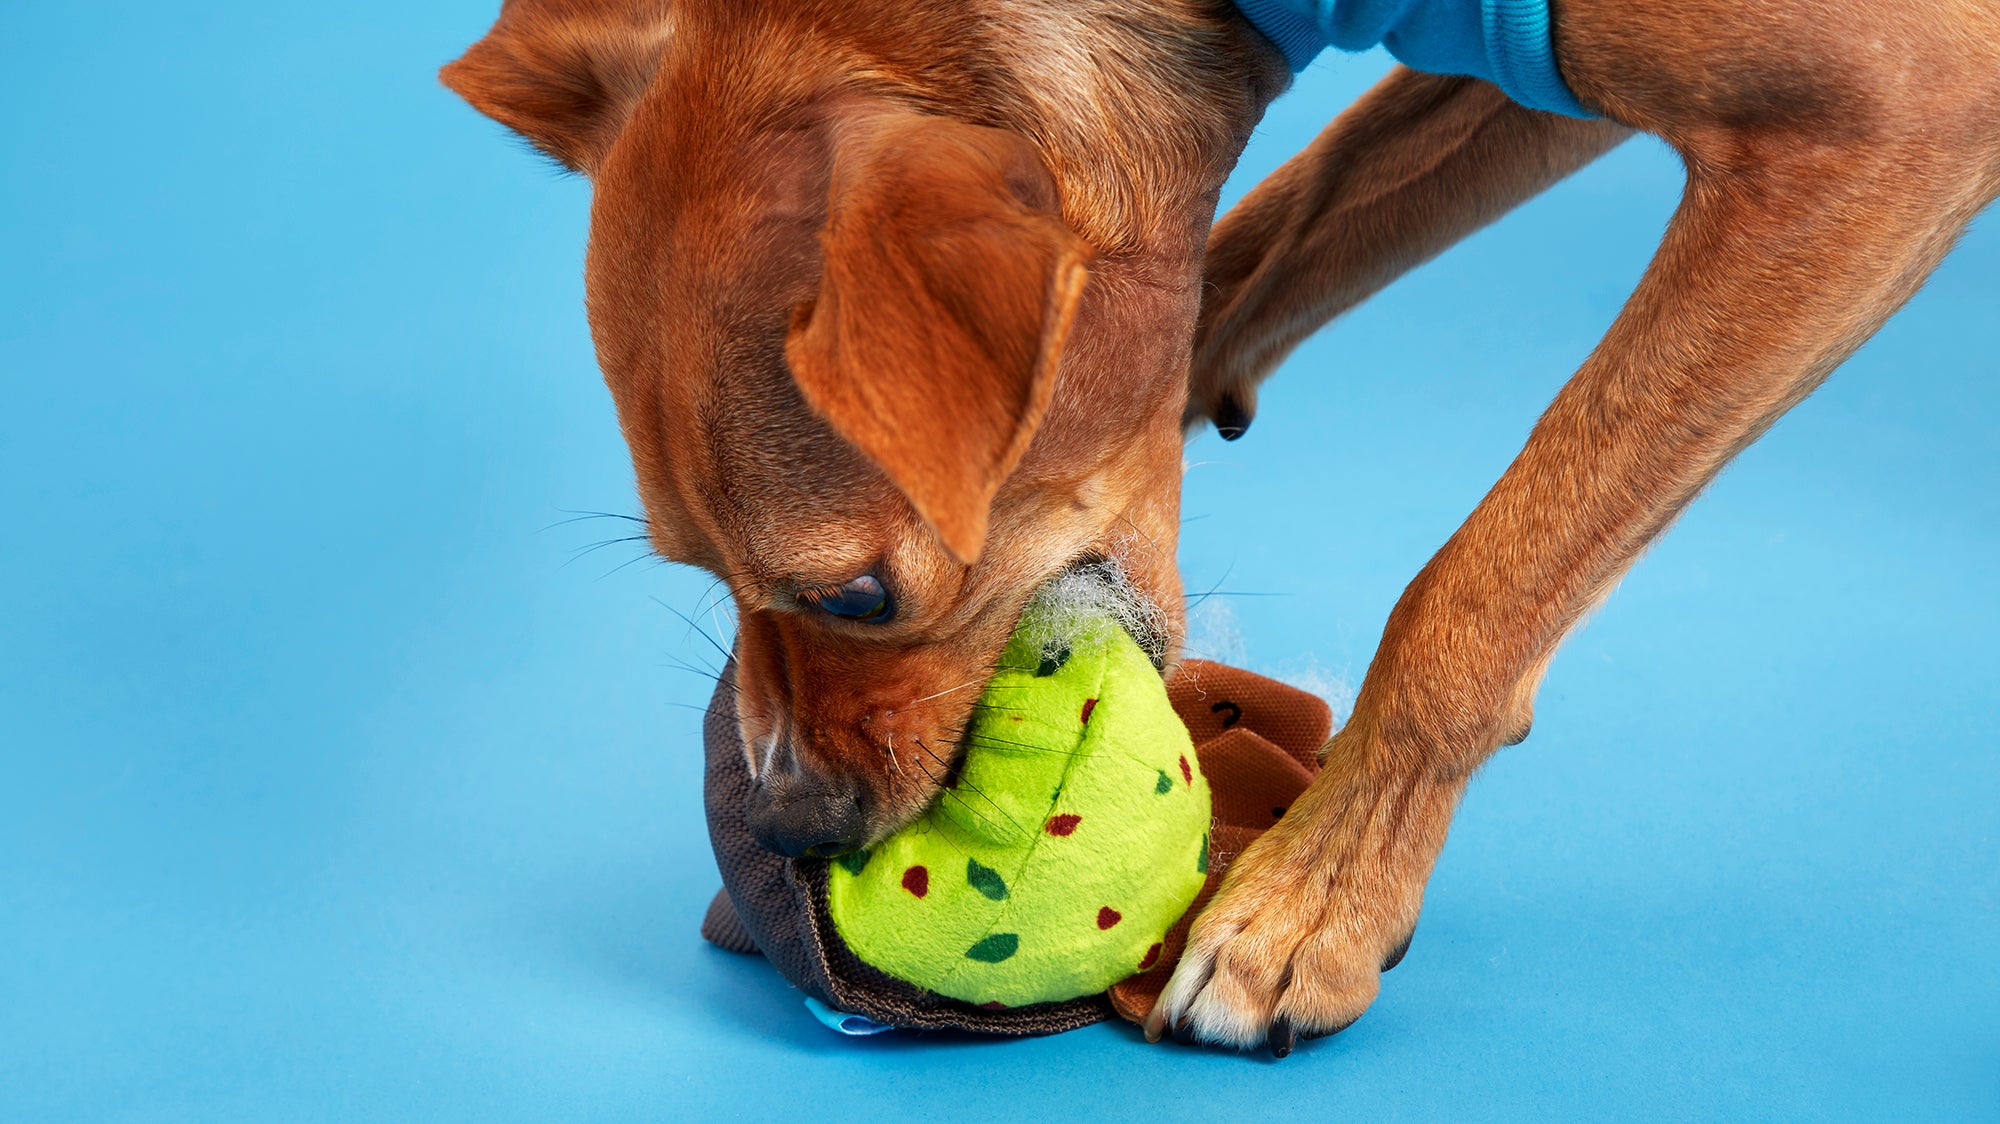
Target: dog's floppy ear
[948, 287]
[564, 73]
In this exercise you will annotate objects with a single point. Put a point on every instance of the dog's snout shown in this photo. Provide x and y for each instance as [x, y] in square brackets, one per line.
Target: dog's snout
[803, 812]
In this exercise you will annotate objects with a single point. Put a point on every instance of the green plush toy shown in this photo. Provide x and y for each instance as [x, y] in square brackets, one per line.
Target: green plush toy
[1075, 835]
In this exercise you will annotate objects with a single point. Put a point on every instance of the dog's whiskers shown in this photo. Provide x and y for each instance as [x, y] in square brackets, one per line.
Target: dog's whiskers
[584, 552]
[947, 792]
[580, 516]
[988, 739]
[695, 626]
[973, 787]
[946, 691]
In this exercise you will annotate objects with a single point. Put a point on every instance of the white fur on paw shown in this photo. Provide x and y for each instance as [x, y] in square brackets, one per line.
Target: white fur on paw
[1193, 995]
[1225, 1022]
[1180, 991]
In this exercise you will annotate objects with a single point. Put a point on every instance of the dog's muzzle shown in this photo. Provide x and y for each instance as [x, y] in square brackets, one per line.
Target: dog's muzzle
[801, 812]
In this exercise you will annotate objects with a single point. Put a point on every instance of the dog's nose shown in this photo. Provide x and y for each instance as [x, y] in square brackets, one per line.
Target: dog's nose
[799, 812]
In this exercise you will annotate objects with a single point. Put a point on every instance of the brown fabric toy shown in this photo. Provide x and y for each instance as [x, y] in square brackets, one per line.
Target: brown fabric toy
[1259, 741]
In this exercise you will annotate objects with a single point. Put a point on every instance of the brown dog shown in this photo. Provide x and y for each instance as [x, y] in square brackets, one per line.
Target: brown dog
[898, 304]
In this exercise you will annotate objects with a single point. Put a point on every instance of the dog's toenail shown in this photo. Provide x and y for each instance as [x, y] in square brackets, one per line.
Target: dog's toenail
[1518, 736]
[1396, 954]
[1335, 1030]
[1231, 419]
[1281, 1039]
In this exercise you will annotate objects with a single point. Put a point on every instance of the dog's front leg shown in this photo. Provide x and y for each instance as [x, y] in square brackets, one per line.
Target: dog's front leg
[1788, 250]
[1415, 164]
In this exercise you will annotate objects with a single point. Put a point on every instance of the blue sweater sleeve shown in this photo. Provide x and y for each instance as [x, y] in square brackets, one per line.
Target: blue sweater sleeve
[1506, 42]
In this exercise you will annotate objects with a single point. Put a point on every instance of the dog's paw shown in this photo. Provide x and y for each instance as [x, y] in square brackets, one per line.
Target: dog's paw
[1309, 917]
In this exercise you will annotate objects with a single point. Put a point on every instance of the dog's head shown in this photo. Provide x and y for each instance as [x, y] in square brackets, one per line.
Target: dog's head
[893, 337]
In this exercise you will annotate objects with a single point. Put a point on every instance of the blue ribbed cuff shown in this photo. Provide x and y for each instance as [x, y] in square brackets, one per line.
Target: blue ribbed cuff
[1521, 45]
[1298, 36]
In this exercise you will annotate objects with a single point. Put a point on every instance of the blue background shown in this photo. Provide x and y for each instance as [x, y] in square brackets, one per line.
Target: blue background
[337, 786]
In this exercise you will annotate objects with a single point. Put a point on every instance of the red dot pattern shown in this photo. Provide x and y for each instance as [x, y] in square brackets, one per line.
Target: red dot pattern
[917, 879]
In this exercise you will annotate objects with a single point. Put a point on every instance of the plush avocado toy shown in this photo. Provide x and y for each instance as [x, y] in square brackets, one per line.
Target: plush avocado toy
[1034, 896]
[1073, 837]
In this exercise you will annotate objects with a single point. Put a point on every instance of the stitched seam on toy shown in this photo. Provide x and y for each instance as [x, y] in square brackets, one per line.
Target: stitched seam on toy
[1076, 759]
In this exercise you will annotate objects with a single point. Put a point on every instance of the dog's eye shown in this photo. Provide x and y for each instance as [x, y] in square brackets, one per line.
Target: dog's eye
[863, 599]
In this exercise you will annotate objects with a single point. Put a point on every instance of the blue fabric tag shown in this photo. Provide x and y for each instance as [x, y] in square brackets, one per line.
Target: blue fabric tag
[854, 1026]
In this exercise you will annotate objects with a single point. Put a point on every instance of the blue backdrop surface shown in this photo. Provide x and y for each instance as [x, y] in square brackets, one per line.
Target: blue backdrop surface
[343, 781]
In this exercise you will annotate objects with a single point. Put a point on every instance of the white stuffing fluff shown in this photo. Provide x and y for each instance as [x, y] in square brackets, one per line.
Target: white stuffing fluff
[1215, 634]
[1084, 594]
[1089, 593]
